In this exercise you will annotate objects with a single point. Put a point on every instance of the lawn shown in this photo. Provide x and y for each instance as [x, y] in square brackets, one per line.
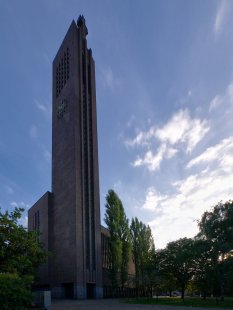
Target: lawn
[188, 302]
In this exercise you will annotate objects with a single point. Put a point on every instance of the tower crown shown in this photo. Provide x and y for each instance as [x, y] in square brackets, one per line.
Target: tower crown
[81, 23]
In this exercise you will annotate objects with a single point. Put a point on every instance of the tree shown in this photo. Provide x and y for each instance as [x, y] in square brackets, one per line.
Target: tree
[20, 254]
[167, 281]
[205, 258]
[143, 250]
[228, 275]
[118, 226]
[176, 261]
[217, 227]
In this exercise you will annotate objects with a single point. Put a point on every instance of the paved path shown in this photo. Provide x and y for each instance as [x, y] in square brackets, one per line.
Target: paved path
[109, 304]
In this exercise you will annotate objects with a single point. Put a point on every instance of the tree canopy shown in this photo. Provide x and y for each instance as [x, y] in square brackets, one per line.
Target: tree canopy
[206, 261]
[120, 243]
[20, 254]
[143, 250]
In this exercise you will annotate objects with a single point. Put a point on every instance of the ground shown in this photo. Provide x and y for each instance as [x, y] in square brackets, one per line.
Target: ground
[106, 304]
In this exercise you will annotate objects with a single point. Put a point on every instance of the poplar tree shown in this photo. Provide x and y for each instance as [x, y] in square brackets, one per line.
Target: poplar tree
[143, 250]
[118, 225]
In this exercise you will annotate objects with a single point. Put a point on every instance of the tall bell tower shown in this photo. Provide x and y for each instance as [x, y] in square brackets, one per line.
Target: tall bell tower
[68, 218]
[75, 239]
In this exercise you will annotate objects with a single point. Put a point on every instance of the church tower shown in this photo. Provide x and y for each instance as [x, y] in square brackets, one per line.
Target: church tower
[73, 228]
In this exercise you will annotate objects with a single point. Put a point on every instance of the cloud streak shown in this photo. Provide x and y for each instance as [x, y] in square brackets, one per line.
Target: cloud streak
[181, 131]
[193, 195]
[220, 16]
[110, 81]
[153, 162]
[214, 153]
[33, 132]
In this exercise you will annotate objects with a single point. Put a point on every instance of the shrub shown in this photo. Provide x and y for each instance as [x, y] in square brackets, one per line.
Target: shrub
[15, 291]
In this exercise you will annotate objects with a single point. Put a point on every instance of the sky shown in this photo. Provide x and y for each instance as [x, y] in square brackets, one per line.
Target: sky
[164, 76]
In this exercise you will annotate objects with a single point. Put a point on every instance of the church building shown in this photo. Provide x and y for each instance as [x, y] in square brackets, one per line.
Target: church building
[68, 217]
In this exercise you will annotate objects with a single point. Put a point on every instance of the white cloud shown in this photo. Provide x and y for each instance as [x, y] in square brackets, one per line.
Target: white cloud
[130, 121]
[215, 103]
[43, 107]
[117, 186]
[47, 156]
[20, 205]
[140, 139]
[47, 58]
[153, 199]
[109, 80]
[9, 190]
[180, 130]
[171, 152]
[229, 93]
[217, 152]
[176, 215]
[152, 162]
[14, 204]
[226, 98]
[220, 16]
[24, 221]
[33, 132]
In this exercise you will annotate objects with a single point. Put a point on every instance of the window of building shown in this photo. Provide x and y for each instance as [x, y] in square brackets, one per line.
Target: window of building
[62, 71]
[36, 221]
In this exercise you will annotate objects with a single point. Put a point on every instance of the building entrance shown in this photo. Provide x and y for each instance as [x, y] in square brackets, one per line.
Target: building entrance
[90, 290]
[69, 290]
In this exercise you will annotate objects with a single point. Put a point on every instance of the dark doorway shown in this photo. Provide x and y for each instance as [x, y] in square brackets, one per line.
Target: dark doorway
[90, 290]
[69, 290]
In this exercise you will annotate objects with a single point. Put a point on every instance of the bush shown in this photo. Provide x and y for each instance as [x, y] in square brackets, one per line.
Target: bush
[15, 291]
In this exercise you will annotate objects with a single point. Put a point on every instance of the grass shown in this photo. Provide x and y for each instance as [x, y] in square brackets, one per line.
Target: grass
[188, 302]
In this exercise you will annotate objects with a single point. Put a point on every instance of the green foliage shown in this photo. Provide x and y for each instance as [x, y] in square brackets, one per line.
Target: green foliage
[20, 254]
[228, 275]
[20, 250]
[216, 226]
[205, 263]
[15, 291]
[120, 243]
[143, 251]
[177, 261]
[205, 258]
[188, 302]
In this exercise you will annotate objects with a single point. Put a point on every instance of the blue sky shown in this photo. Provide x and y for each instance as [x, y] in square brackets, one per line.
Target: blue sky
[164, 74]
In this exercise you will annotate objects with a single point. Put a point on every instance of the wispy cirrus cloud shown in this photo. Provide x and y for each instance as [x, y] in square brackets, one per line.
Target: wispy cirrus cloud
[226, 98]
[220, 16]
[33, 131]
[24, 221]
[9, 189]
[181, 130]
[109, 80]
[153, 199]
[47, 155]
[24, 218]
[219, 152]
[193, 195]
[20, 204]
[153, 161]
[45, 108]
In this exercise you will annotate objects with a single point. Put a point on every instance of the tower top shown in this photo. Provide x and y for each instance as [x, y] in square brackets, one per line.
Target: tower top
[81, 23]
